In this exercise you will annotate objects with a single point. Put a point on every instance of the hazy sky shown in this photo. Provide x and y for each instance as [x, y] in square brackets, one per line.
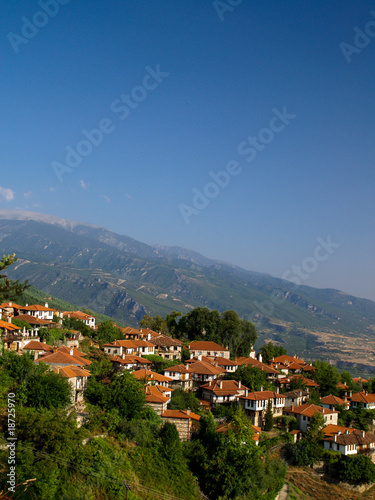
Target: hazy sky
[277, 96]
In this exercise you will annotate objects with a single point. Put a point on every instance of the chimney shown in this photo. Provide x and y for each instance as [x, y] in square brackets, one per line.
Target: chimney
[334, 438]
[239, 384]
[221, 384]
[292, 408]
[246, 392]
[188, 411]
[277, 390]
[261, 388]
[338, 433]
[199, 357]
[346, 432]
[46, 304]
[27, 305]
[260, 357]
[191, 355]
[71, 352]
[363, 434]
[123, 355]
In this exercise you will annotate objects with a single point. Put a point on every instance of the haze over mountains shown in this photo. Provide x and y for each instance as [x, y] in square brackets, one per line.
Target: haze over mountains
[123, 278]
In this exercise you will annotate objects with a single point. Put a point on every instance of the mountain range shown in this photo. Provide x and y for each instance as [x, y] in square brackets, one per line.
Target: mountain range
[123, 278]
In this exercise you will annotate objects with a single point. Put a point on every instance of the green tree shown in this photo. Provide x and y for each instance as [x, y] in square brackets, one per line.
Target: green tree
[270, 351]
[182, 400]
[107, 333]
[21, 323]
[46, 389]
[52, 336]
[252, 377]
[172, 323]
[268, 418]
[76, 324]
[156, 323]
[9, 289]
[356, 469]
[124, 394]
[327, 376]
[315, 430]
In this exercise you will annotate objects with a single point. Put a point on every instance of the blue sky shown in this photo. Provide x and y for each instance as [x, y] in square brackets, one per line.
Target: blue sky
[217, 74]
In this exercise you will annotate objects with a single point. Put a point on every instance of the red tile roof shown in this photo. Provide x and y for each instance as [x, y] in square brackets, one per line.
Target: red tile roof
[205, 345]
[309, 410]
[333, 400]
[202, 368]
[224, 387]
[263, 396]
[363, 397]
[176, 369]
[149, 375]
[180, 414]
[8, 326]
[35, 345]
[130, 359]
[33, 320]
[285, 359]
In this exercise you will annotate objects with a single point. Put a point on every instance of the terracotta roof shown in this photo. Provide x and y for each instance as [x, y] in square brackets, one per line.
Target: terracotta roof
[355, 437]
[285, 359]
[129, 343]
[35, 345]
[183, 414]
[296, 393]
[202, 368]
[33, 320]
[60, 357]
[149, 375]
[163, 340]
[36, 307]
[308, 368]
[130, 359]
[228, 387]
[7, 305]
[176, 369]
[75, 352]
[258, 364]
[221, 361]
[358, 380]
[155, 395]
[8, 326]
[309, 410]
[333, 400]
[71, 371]
[363, 397]
[77, 315]
[340, 385]
[205, 345]
[307, 381]
[332, 429]
[262, 395]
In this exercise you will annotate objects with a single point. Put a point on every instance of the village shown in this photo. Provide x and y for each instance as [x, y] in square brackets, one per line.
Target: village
[202, 367]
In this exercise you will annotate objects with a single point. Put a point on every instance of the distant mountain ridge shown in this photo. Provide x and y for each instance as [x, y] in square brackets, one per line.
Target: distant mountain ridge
[123, 278]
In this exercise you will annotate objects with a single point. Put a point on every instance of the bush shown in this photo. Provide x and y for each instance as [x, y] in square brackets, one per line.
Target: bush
[356, 469]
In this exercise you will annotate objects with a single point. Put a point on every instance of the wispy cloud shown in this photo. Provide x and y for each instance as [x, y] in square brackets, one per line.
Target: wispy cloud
[83, 184]
[52, 189]
[28, 195]
[129, 196]
[106, 198]
[6, 193]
